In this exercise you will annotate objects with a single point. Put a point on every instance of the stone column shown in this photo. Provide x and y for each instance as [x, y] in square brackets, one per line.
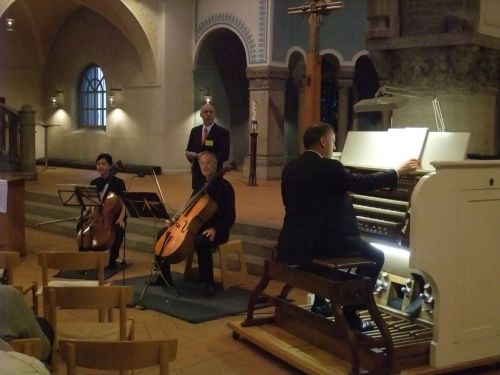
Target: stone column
[27, 165]
[344, 86]
[454, 55]
[267, 87]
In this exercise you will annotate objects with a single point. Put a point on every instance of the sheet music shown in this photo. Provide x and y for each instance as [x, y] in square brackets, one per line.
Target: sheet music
[383, 149]
[4, 187]
[444, 146]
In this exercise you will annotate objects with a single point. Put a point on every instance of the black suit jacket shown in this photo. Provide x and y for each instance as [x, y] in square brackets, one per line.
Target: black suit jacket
[221, 191]
[217, 142]
[318, 208]
[116, 184]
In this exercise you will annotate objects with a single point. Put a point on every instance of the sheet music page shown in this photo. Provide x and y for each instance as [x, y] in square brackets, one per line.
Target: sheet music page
[4, 187]
[383, 149]
[444, 146]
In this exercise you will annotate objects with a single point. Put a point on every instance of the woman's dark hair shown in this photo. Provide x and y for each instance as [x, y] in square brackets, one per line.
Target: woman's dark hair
[313, 134]
[108, 158]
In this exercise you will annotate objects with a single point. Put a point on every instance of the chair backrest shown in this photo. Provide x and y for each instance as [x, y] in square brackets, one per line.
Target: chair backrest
[118, 355]
[99, 297]
[32, 346]
[9, 260]
[72, 261]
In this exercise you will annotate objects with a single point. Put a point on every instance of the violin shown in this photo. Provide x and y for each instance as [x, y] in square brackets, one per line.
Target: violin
[97, 230]
[177, 242]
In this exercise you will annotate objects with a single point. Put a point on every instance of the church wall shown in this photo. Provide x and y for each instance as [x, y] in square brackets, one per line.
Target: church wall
[21, 71]
[83, 39]
[178, 116]
[342, 30]
[151, 121]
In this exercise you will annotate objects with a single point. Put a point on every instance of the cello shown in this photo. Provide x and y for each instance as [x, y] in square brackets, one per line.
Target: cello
[97, 230]
[177, 242]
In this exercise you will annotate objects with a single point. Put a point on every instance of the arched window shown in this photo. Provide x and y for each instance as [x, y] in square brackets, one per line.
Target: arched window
[93, 97]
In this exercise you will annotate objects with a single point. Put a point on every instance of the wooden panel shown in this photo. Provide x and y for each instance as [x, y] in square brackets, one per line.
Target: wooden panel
[293, 350]
[12, 235]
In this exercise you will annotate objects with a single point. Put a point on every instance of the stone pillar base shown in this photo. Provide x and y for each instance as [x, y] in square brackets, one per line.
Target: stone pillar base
[268, 167]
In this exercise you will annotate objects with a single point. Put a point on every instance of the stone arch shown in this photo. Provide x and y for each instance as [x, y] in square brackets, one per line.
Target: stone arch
[293, 51]
[359, 54]
[254, 54]
[365, 85]
[219, 71]
[126, 15]
[141, 30]
[335, 53]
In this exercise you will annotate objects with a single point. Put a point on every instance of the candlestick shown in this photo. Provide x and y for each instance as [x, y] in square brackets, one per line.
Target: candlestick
[254, 110]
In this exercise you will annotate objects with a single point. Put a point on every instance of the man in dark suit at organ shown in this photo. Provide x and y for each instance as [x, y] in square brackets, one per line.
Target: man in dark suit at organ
[319, 214]
[206, 137]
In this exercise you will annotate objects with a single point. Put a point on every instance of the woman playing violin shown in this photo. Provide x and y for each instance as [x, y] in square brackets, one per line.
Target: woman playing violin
[216, 230]
[108, 183]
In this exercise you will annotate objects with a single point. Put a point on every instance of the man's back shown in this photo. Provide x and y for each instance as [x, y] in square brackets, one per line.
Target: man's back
[318, 208]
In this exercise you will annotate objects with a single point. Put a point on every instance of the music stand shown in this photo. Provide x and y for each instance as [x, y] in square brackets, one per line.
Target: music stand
[149, 205]
[145, 204]
[74, 195]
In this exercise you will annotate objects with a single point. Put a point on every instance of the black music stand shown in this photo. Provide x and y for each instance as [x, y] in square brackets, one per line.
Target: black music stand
[149, 205]
[74, 195]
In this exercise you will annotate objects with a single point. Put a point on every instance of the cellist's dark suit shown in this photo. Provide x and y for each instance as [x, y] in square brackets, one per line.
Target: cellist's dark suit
[216, 142]
[220, 191]
[319, 215]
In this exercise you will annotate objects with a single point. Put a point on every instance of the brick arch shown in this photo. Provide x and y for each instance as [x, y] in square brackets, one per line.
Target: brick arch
[256, 52]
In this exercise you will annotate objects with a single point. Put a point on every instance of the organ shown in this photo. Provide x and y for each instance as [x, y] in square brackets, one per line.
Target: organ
[439, 292]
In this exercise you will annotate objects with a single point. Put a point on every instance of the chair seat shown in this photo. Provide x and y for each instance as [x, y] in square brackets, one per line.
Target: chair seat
[106, 331]
[342, 262]
[74, 282]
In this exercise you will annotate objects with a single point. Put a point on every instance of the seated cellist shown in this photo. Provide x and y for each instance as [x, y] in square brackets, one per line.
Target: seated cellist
[106, 183]
[215, 231]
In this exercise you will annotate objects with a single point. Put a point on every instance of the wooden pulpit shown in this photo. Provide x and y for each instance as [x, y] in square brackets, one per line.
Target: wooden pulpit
[12, 229]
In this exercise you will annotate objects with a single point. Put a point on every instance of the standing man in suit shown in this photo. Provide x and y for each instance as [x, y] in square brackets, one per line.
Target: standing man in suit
[319, 214]
[206, 137]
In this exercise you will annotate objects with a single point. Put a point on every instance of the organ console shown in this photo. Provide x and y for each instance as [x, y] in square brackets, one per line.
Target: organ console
[439, 292]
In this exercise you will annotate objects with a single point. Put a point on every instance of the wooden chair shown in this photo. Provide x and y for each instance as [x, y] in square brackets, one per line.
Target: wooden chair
[123, 355]
[84, 298]
[229, 277]
[8, 261]
[70, 261]
[32, 347]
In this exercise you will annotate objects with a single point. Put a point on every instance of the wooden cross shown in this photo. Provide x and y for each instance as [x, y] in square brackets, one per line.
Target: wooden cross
[315, 9]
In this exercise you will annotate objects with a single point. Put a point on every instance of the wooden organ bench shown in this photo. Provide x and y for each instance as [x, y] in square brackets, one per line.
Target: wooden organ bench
[325, 342]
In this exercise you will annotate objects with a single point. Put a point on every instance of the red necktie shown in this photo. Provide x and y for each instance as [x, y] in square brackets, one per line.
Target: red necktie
[204, 134]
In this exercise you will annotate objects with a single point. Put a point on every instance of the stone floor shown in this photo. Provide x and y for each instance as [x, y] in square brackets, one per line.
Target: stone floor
[206, 348]
[259, 205]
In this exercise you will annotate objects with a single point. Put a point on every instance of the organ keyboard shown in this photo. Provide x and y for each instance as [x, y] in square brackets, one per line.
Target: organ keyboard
[440, 305]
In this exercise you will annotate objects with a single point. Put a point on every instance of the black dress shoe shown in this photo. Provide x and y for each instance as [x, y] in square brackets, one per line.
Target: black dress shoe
[324, 309]
[209, 290]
